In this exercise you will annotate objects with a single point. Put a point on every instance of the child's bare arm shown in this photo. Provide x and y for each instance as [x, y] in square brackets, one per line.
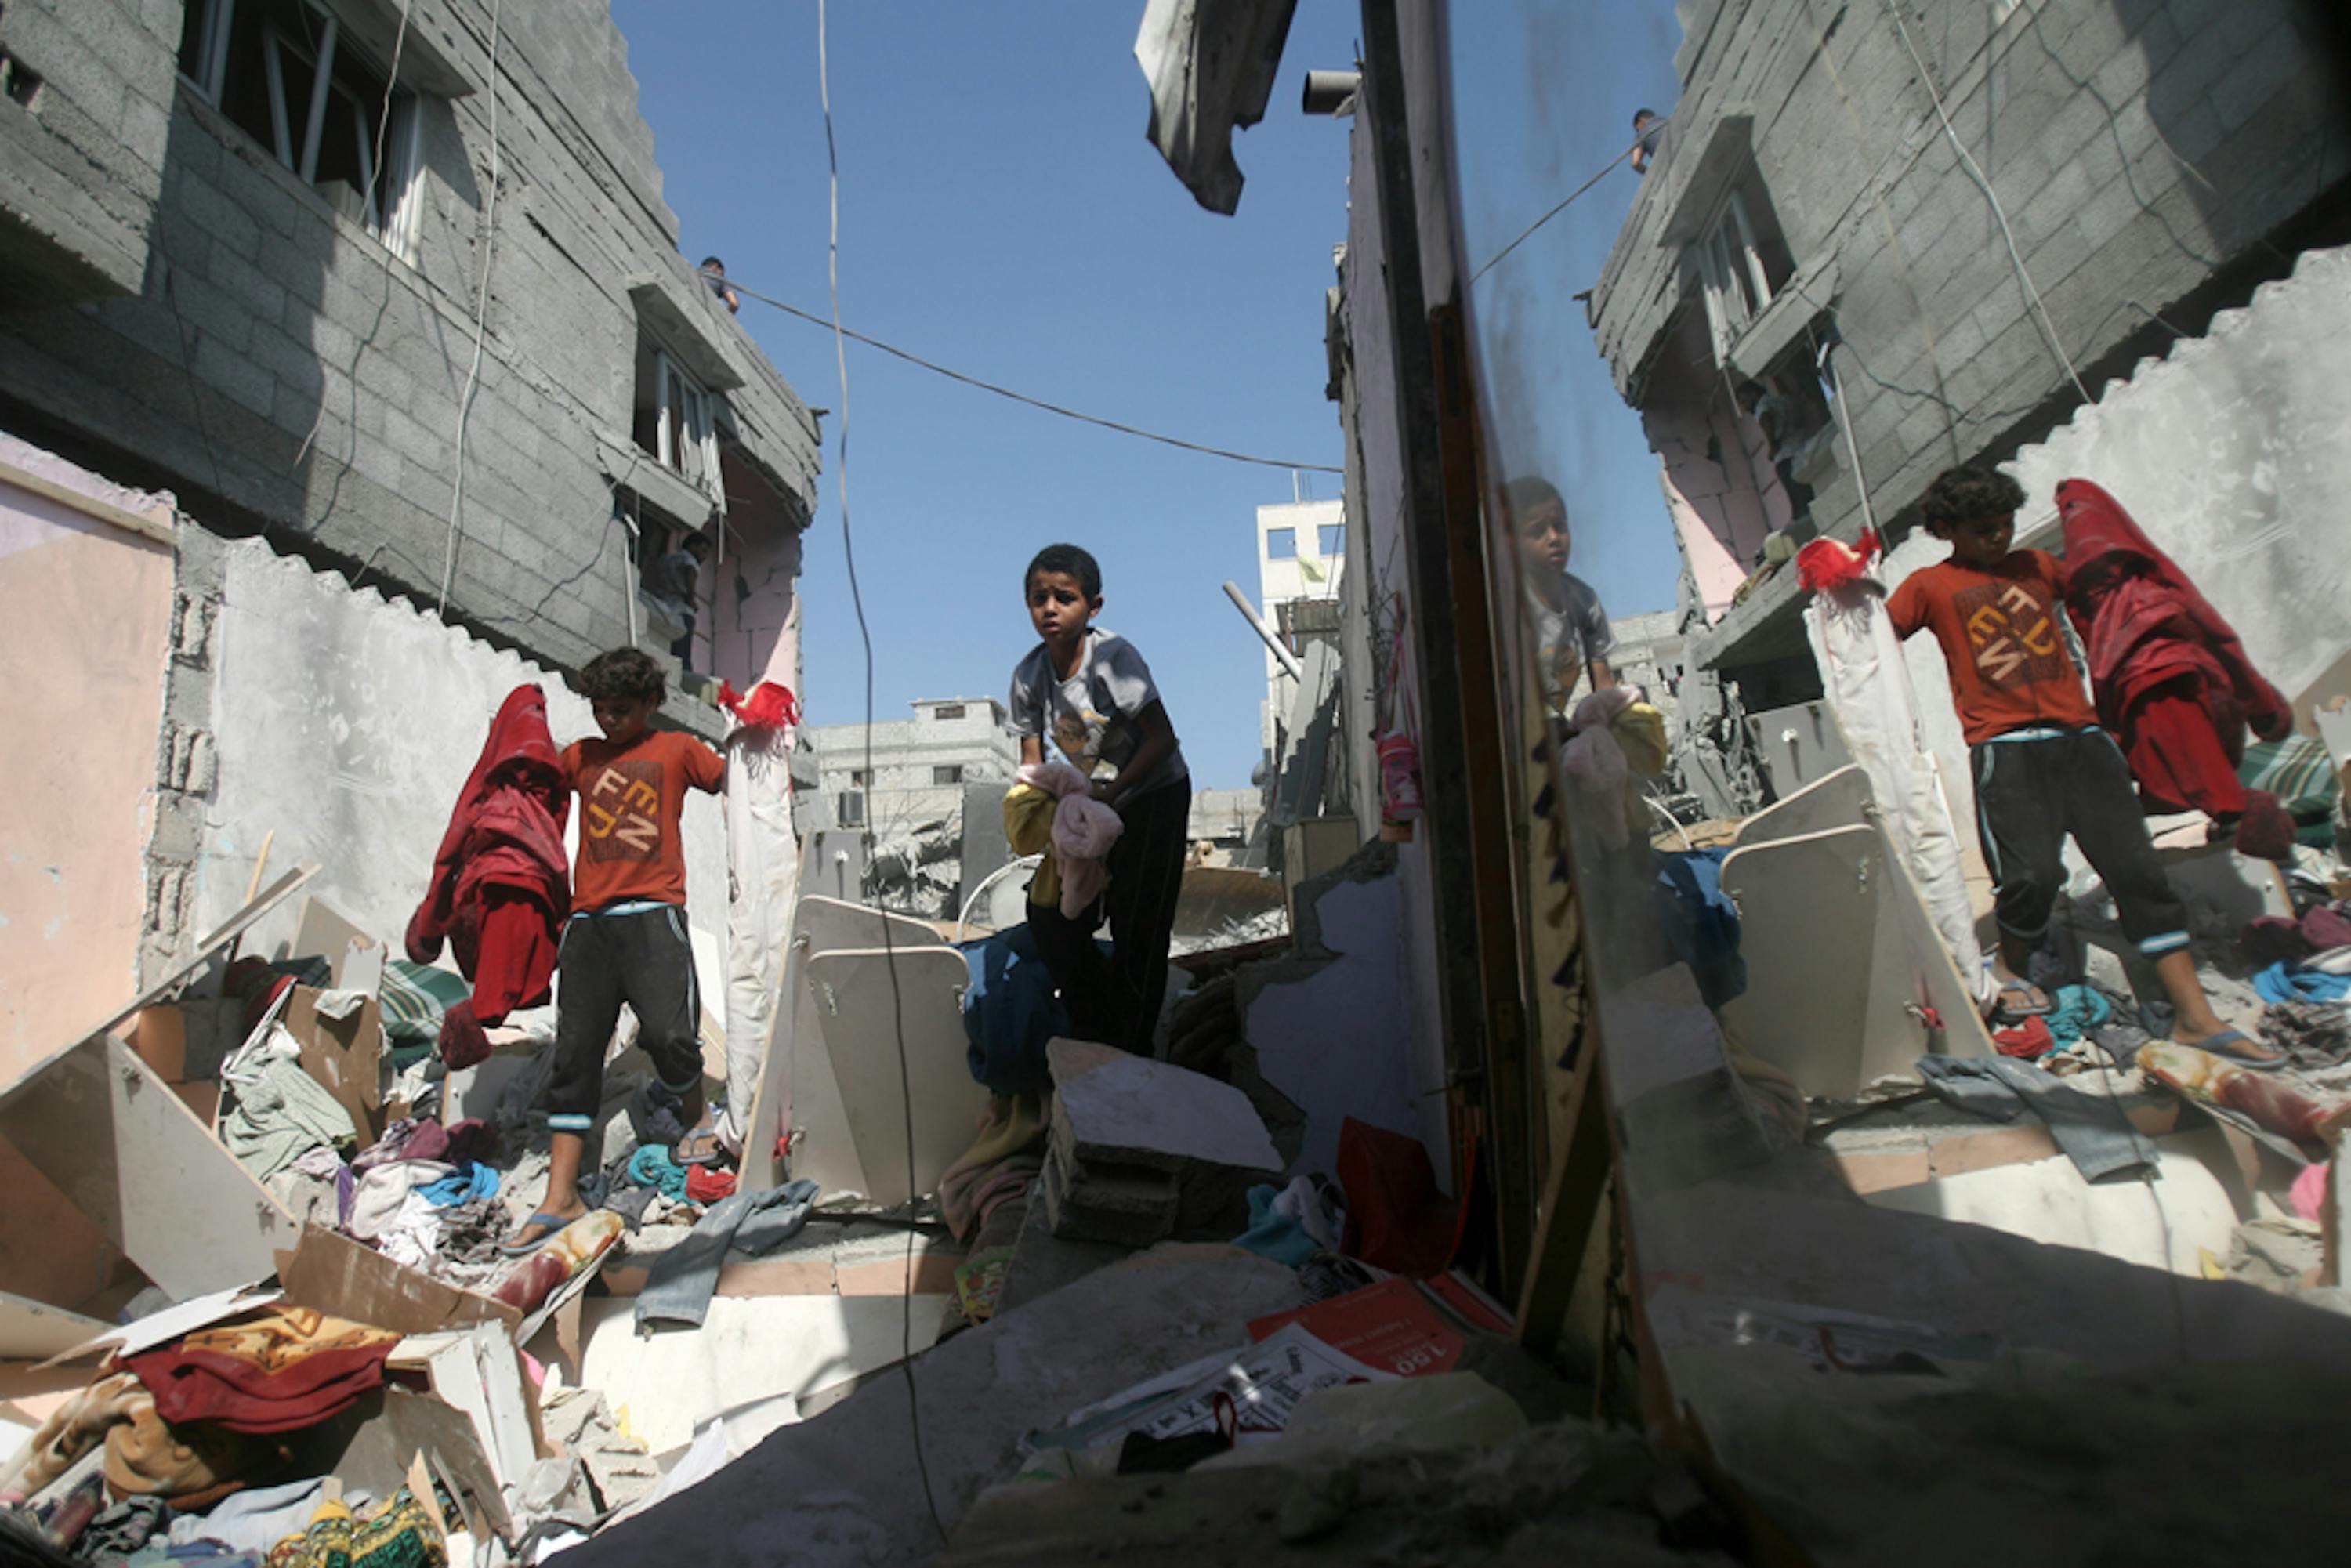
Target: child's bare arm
[1157, 744]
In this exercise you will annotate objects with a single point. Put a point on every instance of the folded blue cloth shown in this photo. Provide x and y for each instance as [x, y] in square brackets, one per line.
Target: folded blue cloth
[2280, 982]
[476, 1180]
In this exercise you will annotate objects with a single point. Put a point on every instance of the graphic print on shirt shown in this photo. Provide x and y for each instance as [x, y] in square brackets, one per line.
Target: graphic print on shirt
[621, 811]
[1088, 739]
[2011, 629]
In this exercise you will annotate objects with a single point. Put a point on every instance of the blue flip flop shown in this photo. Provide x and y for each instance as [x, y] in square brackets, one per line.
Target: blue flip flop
[2219, 1046]
[554, 1222]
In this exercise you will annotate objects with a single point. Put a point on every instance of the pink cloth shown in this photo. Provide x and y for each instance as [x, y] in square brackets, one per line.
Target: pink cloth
[1083, 831]
[2309, 1191]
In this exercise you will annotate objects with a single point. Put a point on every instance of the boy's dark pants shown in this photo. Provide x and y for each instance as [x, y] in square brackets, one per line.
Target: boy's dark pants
[645, 960]
[1116, 1000]
[2031, 793]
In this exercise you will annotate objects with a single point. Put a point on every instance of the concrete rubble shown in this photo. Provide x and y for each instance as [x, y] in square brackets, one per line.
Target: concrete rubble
[1139, 1150]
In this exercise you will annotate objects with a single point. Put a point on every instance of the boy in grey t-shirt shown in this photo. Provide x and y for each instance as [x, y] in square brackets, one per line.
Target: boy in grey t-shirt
[1088, 692]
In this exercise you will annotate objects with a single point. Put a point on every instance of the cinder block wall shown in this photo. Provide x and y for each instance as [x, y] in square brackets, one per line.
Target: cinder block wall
[283, 373]
[2136, 147]
[82, 132]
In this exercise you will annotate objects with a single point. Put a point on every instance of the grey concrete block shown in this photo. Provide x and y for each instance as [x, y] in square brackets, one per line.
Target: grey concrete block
[2259, 76]
[1112, 1107]
[211, 210]
[200, 307]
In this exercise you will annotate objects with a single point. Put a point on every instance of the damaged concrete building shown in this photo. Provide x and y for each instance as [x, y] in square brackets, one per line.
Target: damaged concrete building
[384, 303]
[1930, 246]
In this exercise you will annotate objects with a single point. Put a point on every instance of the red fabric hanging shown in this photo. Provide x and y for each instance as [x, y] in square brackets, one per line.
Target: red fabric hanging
[500, 888]
[2170, 676]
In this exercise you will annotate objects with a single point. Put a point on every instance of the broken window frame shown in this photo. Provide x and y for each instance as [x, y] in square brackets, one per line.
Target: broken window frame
[389, 200]
[946, 775]
[1282, 544]
[689, 446]
[947, 711]
[849, 810]
[1737, 287]
[1330, 539]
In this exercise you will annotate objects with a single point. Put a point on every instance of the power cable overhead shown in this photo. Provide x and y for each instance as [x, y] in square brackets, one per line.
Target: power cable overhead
[1037, 402]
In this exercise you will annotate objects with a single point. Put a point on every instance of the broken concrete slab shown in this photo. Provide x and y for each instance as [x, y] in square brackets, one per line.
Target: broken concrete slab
[840, 1487]
[1129, 1206]
[1111, 1107]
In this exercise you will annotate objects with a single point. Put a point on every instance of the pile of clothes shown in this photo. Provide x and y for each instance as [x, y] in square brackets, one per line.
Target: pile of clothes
[2306, 984]
[208, 1424]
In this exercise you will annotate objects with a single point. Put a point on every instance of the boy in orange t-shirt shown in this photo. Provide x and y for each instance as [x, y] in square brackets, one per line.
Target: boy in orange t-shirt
[626, 940]
[2043, 769]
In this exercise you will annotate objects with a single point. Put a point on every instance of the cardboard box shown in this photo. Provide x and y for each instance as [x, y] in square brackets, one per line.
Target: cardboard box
[345, 1055]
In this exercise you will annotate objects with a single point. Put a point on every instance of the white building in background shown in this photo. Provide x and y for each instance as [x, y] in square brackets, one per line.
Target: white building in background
[1300, 549]
[918, 766]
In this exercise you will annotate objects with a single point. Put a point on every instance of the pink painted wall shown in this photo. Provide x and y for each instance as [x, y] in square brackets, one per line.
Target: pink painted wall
[88, 609]
[1713, 455]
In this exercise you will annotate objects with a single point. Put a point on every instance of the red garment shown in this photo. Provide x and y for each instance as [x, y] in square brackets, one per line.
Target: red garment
[288, 1369]
[2170, 676]
[2028, 1040]
[499, 891]
[704, 1185]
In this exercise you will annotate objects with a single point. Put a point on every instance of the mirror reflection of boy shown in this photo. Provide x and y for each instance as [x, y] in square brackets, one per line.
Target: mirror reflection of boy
[1572, 631]
[2044, 767]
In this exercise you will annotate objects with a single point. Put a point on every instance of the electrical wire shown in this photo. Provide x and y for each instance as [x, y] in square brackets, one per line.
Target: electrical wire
[481, 328]
[1999, 211]
[1037, 402]
[1527, 233]
[866, 637]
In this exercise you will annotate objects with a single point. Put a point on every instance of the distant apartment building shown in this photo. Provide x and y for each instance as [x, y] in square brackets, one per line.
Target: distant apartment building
[388, 297]
[909, 774]
[1300, 557]
[1816, 231]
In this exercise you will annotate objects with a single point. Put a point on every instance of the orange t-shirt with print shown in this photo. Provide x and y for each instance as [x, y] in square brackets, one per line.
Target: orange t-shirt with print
[630, 800]
[2004, 635]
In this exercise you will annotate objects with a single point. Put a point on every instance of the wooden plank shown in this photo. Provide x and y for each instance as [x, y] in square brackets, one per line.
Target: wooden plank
[344, 1055]
[796, 1086]
[34, 1330]
[346, 1278]
[1578, 1175]
[323, 931]
[862, 1024]
[1841, 799]
[127, 1152]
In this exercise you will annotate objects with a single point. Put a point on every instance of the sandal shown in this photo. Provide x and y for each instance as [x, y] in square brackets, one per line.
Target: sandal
[2008, 1012]
[520, 1249]
[710, 1152]
[2220, 1044]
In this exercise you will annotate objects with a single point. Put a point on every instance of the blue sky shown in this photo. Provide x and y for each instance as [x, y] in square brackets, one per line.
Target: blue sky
[1002, 213]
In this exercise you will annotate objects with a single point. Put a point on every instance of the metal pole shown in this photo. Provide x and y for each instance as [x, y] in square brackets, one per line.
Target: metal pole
[1257, 623]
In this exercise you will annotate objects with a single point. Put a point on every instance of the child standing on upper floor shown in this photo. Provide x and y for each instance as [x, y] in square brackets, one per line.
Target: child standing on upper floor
[2043, 767]
[1089, 693]
[626, 939]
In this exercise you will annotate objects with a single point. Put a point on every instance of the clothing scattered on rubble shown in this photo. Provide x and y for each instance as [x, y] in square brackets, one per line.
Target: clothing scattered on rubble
[500, 886]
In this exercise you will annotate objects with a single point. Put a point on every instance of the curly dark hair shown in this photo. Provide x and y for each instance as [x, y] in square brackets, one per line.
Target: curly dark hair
[1965, 495]
[624, 674]
[1070, 558]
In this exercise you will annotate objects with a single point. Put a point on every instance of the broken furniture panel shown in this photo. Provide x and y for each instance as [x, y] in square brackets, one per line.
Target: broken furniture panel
[1841, 799]
[798, 1090]
[1823, 903]
[34, 1330]
[344, 1054]
[863, 1026]
[130, 1154]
